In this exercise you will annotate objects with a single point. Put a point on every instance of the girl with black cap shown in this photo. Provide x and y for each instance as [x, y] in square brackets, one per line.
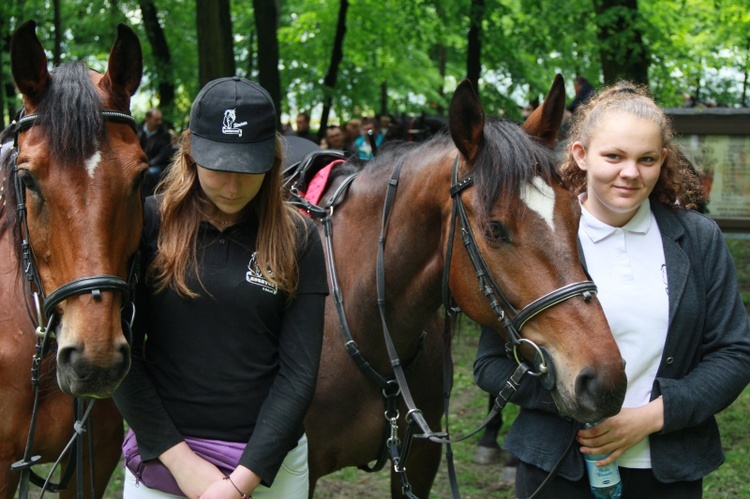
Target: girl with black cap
[229, 328]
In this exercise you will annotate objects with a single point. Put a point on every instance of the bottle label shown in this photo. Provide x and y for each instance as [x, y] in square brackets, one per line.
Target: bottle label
[604, 476]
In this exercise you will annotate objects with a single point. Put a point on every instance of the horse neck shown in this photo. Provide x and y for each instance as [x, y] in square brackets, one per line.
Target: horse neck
[414, 238]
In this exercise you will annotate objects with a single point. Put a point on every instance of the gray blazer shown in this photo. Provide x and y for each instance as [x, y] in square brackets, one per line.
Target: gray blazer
[704, 368]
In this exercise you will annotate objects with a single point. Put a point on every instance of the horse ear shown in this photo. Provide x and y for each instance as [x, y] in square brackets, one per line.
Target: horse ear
[29, 63]
[125, 66]
[544, 122]
[466, 120]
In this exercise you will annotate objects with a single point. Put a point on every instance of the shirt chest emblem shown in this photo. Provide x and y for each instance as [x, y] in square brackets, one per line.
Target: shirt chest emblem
[255, 276]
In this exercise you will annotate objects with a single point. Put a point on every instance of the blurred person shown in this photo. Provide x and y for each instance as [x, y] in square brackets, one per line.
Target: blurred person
[156, 142]
[352, 131]
[303, 128]
[334, 138]
[365, 149]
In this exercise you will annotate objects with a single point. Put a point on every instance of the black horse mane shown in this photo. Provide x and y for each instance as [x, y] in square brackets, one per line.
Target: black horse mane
[508, 159]
[70, 114]
[70, 120]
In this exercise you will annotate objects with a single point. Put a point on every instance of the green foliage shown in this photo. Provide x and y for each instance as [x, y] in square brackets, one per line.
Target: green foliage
[394, 44]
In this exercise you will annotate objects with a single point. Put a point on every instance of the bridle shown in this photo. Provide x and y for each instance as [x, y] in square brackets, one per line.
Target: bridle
[92, 284]
[494, 293]
[512, 325]
[44, 306]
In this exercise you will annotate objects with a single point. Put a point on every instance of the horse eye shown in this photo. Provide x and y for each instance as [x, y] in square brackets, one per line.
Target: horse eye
[138, 183]
[496, 232]
[27, 179]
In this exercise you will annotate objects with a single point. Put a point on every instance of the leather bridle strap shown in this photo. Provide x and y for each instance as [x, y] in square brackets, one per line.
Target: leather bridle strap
[25, 121]
[414, 413]
[583, 288]
[94, 285]
[351, 346]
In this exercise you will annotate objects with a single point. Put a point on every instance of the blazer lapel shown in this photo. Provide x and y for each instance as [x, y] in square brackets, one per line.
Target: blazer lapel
[678, 264]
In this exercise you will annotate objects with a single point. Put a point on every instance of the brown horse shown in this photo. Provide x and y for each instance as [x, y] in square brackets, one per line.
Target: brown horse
[70, 223]
[524, 225]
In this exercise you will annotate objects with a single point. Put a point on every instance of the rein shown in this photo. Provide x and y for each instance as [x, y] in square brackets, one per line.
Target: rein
[44, 334]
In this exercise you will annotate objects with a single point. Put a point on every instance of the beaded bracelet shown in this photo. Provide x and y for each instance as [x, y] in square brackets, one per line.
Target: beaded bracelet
[242, 494]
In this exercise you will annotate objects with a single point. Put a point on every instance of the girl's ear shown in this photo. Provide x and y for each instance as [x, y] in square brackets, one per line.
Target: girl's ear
[663, 154]
[579, 154]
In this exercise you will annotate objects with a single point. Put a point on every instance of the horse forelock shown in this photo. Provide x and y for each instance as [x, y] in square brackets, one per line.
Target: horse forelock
[69, 114]
[508, 160]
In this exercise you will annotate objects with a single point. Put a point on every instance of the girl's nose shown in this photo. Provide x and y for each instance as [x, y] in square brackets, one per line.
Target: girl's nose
[629, 170]
[234, 180]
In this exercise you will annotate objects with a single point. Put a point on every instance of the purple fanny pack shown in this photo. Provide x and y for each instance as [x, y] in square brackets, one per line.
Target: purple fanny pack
[154, 475]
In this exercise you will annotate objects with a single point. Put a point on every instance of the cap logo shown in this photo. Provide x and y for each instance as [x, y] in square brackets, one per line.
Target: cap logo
[230, 127]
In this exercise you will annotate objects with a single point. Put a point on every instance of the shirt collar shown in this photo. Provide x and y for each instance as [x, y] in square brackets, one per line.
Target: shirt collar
[598, 230]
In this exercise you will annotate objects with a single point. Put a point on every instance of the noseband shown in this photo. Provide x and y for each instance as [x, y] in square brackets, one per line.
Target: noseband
[492, 290]
[93, 284]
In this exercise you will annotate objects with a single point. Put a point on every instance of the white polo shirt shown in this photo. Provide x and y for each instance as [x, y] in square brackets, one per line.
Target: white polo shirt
[627, 264]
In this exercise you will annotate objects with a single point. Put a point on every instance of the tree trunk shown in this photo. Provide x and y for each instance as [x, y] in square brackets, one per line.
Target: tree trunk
[623, 54]
[4, 53]
[215, 47]
[441, 53]
[267, 24]
[57, 47]
[329, 82]
[10, 95]
[384, 98]
[250, 66]
[743, 99]
[162, 58]
[474, 56]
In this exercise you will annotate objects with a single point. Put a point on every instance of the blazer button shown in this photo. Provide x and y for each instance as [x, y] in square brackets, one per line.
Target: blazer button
[670, 361]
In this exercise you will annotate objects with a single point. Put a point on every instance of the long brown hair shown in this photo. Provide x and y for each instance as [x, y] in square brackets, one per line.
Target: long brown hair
[678, 184]
[184, 205]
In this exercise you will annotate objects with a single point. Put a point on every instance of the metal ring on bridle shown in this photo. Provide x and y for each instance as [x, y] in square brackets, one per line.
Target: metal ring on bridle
[543, 367]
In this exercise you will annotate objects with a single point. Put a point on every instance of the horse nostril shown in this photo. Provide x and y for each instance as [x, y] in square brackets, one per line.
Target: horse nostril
[589, 389]
[125, 351]
[72, 357]
[66, 356]
[124, 361]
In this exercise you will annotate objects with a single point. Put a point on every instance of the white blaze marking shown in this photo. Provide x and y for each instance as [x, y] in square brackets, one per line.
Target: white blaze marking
[93, 162]
[540, 197]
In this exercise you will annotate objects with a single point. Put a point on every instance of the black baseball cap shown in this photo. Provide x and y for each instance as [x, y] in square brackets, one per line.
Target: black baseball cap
[233, 126]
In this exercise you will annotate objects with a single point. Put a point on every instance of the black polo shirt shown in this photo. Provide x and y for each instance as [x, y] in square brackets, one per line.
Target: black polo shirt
[238, 363]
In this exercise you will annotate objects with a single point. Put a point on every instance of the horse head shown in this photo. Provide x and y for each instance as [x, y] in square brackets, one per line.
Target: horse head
[79, 168]
[524, 225]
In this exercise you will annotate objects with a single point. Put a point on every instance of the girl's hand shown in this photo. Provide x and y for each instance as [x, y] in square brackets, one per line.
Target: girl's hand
[619, 433]
[241, 481]
[192, 473]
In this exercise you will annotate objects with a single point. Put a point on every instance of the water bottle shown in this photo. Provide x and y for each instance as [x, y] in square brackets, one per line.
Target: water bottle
[605, 480]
